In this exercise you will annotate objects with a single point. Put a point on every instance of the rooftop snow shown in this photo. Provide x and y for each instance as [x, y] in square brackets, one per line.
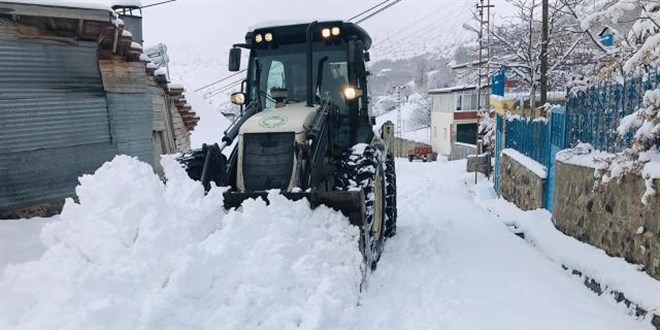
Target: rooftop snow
[279, 23]
[532, 165]
[86, 4]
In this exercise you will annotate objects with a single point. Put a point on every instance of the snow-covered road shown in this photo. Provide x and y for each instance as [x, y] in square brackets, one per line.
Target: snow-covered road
[141, 255]
[453, 265]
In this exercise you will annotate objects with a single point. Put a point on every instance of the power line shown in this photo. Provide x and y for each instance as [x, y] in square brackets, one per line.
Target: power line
[224, 88]
[219, 81]
[368, 10]
[377, 12]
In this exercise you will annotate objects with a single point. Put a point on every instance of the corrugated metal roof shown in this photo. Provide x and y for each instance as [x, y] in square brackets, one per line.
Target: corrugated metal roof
[28, 124]
[47, 174]
[53, 120]
[131, 122]
[31, 69]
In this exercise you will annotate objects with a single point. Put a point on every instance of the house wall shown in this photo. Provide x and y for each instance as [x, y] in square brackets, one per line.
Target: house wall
[441, 132]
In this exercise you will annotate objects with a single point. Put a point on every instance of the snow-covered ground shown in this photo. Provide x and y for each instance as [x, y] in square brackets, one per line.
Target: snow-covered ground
[138, 254]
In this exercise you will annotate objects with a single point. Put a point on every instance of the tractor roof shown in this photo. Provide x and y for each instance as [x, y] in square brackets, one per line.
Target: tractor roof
[294, 31]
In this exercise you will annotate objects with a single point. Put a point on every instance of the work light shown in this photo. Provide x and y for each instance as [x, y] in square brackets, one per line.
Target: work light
[258, 38]
[325, 33]
[268, 37]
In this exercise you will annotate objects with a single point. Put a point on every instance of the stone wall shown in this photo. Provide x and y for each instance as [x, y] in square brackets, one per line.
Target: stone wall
[519, 185]
[611, 217]
[461, 150]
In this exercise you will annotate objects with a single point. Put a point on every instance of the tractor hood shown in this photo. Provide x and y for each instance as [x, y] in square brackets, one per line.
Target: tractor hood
[290, 118]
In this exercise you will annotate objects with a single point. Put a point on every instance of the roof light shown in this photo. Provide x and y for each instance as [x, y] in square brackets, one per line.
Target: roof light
[268, 37]
[325, 33]
[258, 38]
[336, 31]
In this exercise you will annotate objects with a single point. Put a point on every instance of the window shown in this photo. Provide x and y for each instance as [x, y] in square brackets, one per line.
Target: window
[466, 133]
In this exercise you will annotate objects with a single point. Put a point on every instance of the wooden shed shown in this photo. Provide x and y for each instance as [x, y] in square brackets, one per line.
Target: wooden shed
[76, 90]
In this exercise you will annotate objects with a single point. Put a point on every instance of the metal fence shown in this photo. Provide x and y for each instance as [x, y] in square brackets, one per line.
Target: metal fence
[590, 116]
[528, 137]
[593, 115]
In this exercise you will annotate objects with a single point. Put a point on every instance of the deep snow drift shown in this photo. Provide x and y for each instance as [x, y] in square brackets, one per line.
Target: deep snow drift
[136, 253]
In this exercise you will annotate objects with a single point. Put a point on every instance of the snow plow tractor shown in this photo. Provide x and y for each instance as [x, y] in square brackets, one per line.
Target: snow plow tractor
[306, 129]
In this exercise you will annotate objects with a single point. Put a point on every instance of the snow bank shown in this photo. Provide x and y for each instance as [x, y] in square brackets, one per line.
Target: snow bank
[19, 241]
[136, 253]
[583, 155]
[532, 165]
[539, 231]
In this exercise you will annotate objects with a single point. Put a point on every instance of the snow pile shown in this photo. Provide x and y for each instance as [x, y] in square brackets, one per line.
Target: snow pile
[582, 154]
[135, 254]
[532, 165]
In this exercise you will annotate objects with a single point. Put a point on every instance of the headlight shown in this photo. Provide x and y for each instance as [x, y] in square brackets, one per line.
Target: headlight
[268, 37]
[350, 93]
[258, 38]
[238, 98]
[325, 33]
[335, 31]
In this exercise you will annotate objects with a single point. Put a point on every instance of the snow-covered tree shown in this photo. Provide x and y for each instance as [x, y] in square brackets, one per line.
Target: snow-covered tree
[635, 25]
[643, 158]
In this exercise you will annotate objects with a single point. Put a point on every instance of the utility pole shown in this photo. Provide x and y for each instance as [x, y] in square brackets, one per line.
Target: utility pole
[399, 120]
[544, 54]
[484, 53]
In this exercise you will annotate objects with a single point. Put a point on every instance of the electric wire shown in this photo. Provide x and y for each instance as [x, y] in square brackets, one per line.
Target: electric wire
[219, 81]
[368, 10]
[377, 12]
[223, 88]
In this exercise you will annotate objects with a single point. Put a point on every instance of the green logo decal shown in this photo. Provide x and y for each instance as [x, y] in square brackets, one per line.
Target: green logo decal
[273, 121]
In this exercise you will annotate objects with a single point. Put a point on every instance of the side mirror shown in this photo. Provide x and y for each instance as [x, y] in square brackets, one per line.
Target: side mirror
[238, 98]
[234, 59]
[367, 57]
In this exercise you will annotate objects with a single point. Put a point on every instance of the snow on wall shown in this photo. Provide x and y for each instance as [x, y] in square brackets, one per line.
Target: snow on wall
[532, 165]
[135, 253]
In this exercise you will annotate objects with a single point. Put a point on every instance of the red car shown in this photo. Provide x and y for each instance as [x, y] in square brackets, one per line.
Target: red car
[423, 153]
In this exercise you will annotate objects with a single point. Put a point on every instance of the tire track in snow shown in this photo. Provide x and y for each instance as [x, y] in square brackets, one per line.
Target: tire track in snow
[453, 266]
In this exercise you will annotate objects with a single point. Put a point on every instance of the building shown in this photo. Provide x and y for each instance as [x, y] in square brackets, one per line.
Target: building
[76, 90]
[454, 117]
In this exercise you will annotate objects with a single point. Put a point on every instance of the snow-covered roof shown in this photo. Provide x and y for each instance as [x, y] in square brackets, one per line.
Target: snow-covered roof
[86, 4]
[289, 22]
[452, 89]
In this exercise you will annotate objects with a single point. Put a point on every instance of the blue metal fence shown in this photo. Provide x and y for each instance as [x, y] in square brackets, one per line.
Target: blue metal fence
[593, 115]
[528, 137]
[590, 116]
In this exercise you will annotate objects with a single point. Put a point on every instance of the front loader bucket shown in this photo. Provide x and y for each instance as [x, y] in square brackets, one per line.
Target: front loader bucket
[350, 203]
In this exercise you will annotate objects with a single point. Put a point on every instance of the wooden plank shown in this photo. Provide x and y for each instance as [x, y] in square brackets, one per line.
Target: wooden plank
[123, 77]
[56, 12]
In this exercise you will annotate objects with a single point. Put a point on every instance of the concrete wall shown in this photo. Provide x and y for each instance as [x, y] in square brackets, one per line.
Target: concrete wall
[461, 150]
[609, 217]
[521, 186]
[399, 146]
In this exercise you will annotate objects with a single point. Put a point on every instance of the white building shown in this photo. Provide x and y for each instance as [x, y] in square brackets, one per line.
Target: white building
[454, 116]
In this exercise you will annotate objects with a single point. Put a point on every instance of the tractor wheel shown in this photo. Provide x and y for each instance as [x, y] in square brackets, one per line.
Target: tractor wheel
[363, 168]
[390, 196]
[193, 161]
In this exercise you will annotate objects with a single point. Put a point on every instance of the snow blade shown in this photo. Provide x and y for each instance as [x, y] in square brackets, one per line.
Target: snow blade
[350, 203]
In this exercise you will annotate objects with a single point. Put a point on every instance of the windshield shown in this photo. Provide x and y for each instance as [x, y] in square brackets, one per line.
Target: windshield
[285, 68]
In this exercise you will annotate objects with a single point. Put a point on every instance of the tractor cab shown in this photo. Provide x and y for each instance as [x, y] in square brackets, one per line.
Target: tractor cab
[303, 65]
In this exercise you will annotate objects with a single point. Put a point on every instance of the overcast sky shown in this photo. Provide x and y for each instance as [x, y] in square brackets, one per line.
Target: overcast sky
[205, 29]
